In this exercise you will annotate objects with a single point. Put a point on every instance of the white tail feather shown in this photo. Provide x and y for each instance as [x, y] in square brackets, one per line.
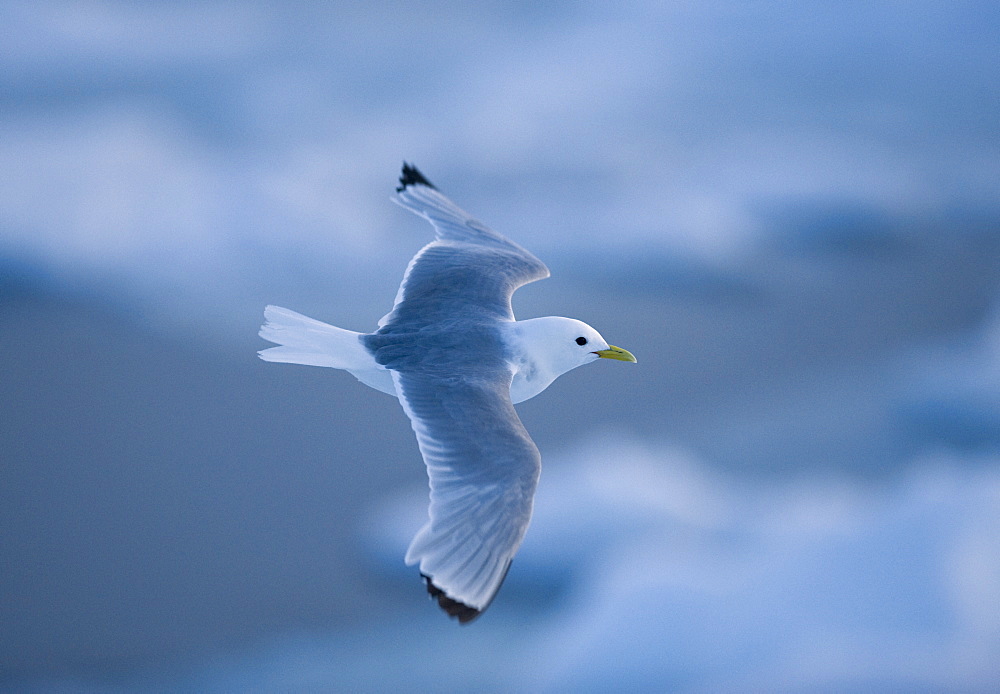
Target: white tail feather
[304, 340]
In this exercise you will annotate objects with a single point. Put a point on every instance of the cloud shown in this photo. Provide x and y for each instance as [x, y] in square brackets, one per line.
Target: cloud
[215, 130]
[674, 577]
[696, 582]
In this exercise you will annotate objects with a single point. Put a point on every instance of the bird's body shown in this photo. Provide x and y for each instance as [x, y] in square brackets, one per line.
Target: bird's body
[452, 352]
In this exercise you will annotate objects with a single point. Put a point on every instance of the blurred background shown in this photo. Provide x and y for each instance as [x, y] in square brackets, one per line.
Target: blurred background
[790, 212]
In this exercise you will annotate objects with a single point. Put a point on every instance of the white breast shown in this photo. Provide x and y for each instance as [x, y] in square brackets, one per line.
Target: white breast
[527, 385]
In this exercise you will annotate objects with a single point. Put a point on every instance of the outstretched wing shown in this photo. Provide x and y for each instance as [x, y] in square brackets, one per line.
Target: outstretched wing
[468, 264]
[483, 470]
[442, 342]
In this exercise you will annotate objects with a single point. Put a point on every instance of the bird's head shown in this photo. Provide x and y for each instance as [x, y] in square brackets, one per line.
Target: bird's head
[559, 344]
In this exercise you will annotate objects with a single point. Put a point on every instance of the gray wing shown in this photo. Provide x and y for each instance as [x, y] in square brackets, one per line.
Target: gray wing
[467, 267]
[483, 470]
[449, 364]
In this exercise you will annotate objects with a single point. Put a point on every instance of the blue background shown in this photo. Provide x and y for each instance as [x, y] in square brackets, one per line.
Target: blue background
[790, 212]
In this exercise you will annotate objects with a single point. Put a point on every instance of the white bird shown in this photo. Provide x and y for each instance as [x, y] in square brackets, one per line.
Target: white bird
[456, 358]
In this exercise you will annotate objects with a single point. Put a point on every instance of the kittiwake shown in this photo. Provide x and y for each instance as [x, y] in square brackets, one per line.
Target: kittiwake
[452, 352]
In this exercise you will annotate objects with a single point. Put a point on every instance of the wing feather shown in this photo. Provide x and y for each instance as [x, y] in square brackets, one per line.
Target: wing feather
[483, 470]
[450, 367]
[467, 263]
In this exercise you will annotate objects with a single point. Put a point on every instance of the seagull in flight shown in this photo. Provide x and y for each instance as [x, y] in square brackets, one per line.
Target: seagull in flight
[452, 352]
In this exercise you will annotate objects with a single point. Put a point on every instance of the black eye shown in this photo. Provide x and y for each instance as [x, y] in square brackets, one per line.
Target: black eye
[581, 341]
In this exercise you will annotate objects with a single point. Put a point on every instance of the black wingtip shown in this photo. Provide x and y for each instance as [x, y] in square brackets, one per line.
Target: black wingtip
[454, 608]
[411, 176]
[462, 612]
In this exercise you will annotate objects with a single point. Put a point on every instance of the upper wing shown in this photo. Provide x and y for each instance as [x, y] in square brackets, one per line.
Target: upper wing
[468, 265]
[483, 470]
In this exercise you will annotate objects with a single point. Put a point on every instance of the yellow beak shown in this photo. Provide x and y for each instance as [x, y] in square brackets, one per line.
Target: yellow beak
[618, 353]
